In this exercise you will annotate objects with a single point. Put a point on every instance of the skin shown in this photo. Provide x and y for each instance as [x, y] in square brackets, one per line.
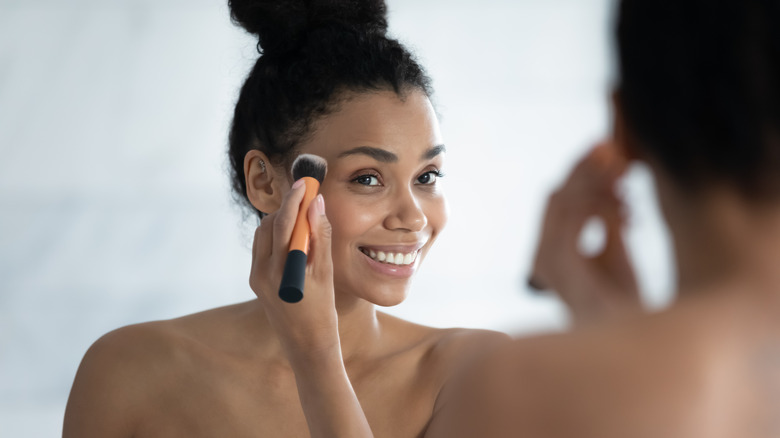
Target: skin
[559, 266]
[331, 365]
[708, 366]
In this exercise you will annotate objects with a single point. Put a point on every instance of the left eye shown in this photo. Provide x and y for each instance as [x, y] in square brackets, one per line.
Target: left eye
[429, 177]
[367, 180]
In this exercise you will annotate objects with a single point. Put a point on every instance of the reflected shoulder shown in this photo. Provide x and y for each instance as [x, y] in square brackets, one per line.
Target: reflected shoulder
[561, 385]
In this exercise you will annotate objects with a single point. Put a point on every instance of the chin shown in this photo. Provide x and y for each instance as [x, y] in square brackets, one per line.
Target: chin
[385, 295]
[388, 300]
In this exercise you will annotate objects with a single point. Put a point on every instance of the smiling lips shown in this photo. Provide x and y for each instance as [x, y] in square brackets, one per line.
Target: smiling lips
[393, 258]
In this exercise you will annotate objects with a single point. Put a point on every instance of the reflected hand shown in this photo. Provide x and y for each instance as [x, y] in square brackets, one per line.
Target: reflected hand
[310, 325]
[598, 286]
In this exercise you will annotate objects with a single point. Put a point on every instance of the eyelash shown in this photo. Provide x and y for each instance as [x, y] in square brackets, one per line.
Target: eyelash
[436, 173]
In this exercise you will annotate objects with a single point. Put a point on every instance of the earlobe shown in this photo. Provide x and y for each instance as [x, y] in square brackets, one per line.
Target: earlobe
[262, 183]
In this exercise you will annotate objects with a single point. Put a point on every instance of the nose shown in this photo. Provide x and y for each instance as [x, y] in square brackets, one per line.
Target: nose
[406, 213]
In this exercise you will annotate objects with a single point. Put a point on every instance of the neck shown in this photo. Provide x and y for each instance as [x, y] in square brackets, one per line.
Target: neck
[723, 241]
[359, 328]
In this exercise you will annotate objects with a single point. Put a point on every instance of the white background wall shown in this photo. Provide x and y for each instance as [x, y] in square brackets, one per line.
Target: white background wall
[114, 199]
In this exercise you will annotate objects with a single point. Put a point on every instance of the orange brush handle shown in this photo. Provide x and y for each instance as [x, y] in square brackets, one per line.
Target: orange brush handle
[302, 229]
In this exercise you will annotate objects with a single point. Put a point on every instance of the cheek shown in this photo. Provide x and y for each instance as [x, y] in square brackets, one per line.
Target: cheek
[347, 218]
[437, 213]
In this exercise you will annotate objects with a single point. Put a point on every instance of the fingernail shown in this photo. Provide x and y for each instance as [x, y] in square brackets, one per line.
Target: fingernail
[320, 203]
[297, 184]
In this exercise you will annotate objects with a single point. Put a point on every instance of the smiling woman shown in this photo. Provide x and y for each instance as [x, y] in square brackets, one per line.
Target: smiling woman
[330, 365]
[383, 196]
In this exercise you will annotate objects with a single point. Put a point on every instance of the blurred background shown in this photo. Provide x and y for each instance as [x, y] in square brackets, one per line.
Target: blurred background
[114, 199]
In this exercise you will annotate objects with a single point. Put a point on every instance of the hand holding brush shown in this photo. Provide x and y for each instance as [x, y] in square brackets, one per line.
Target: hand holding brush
[311, 170]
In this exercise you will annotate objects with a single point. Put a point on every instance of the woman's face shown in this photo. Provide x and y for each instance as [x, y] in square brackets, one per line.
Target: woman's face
[382, 192]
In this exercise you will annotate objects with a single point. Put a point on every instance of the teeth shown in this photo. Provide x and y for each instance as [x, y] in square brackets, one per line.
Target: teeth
[392, 258]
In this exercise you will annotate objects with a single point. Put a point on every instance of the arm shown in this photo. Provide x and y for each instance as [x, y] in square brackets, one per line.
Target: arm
[308, 330]
[328, 400]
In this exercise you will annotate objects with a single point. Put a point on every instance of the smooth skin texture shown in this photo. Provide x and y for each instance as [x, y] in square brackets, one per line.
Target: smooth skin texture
[330, 365]
[707, 367]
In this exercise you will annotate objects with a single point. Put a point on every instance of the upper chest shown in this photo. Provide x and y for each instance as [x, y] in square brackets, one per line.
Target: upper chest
[222, 396]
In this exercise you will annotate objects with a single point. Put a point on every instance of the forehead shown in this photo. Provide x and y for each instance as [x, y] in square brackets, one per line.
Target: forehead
[406, 126]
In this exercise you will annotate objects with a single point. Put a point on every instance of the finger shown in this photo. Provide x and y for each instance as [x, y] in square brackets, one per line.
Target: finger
[616, 157]
[614, 259]
[563, 220]
[320, 258]
[610, 210]
[574, 219]
[574, 204]
[586, 167]
[589, 185]
[284, 222]
[563, 217]
[597, 170]
[560, 251]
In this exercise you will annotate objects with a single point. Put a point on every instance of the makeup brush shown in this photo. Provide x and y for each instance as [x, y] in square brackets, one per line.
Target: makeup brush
[311, 169]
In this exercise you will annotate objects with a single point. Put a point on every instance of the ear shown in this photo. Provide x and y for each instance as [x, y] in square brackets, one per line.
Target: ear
[621, 134]
[265, 184]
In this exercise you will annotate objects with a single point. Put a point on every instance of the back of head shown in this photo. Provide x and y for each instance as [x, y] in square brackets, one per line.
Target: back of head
[312, 52]
[700, 89]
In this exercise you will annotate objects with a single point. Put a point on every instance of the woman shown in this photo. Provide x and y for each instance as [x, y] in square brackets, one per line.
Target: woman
[330, 83]
[698, 101]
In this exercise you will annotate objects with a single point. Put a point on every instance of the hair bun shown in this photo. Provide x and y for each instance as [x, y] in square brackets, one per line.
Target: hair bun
[280, 25]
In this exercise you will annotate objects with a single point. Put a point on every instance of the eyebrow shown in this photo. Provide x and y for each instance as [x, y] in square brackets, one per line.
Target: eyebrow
[434, 151]
[384, 156]
[375, 153]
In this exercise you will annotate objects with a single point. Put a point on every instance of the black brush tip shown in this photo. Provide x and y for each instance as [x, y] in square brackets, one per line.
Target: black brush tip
[309, 165]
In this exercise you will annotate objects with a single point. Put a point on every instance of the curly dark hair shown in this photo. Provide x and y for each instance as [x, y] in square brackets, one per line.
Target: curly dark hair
[312, 52]
[700, 88]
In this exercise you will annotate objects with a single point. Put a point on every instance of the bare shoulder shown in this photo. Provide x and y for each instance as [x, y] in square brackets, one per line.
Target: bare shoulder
[465, 341]
[123, 370]
[443, 355]
[456, 351]
[113, 380]
[446, 343]
[155, 343]
[563, 384]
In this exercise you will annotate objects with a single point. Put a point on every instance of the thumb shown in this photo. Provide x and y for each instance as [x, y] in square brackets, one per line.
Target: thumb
[319, 254]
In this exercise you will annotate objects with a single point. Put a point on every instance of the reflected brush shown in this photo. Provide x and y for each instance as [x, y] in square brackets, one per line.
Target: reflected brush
[311, 169]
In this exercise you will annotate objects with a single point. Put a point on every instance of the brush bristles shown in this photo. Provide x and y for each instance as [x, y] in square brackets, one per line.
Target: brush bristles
[309, 165]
